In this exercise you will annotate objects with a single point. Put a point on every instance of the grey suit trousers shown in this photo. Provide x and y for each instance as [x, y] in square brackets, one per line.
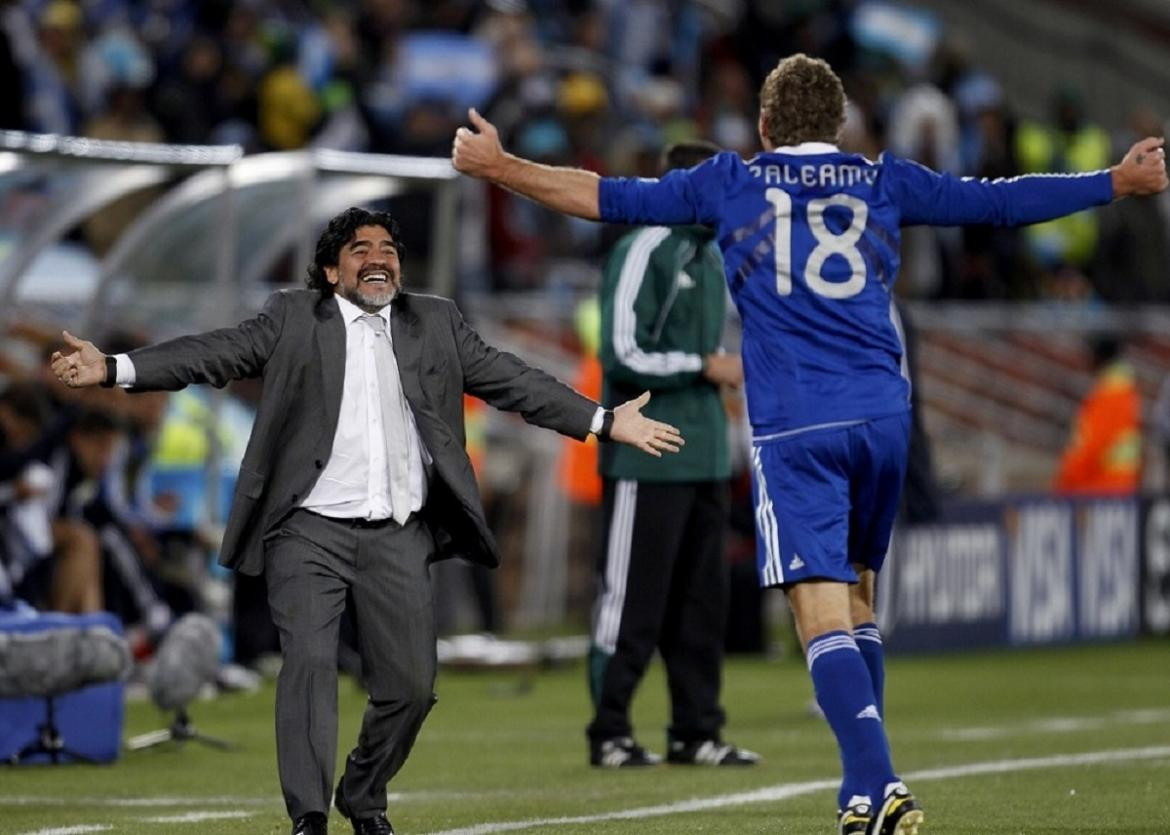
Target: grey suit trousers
[312, 565]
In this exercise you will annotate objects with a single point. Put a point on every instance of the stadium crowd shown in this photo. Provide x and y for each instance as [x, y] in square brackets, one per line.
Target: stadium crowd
[600, 84]
[595, 83]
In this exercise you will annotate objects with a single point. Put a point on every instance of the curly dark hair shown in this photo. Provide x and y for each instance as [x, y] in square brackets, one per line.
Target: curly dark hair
[337, 234]
[802, 100]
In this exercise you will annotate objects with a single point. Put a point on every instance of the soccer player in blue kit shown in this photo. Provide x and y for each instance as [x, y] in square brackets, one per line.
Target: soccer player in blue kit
[810, 240]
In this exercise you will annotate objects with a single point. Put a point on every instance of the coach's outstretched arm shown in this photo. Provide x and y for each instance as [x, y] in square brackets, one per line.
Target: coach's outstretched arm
[479, 153]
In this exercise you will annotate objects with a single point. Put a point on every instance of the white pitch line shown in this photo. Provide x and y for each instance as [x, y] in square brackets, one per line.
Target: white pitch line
[1057, 725]
[198, 817]
[788, 790]
[72, 830]
[132, 802]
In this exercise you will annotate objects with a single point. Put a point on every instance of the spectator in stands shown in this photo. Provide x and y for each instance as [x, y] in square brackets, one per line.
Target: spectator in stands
[992, 263]
[923, 126]
[287, 109]
[329, 61]
[15, 37]
[726, 109]
[1133, 259]
[55, 103]
[1103, 456]
[655, 40]
[115, 59]
[83, 458]
[129, 549]
[51, 562]
[187, 100]
[1071, 143]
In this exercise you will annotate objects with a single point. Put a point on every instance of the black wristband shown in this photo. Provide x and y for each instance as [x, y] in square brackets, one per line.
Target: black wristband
[606, 425]
[111, 372]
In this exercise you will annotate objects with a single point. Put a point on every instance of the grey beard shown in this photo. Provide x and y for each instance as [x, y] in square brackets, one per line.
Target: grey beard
[372, 303]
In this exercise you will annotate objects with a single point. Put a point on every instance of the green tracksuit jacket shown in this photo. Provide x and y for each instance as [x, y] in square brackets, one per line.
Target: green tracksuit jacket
[662, 308]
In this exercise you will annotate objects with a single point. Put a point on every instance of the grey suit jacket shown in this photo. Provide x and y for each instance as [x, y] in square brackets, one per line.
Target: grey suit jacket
[297, 345]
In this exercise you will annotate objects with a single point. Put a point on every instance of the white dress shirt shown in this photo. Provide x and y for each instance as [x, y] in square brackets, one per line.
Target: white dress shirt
[356, 480]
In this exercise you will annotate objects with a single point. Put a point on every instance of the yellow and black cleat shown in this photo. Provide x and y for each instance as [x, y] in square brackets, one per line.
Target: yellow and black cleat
[899, 814]
[855, 819]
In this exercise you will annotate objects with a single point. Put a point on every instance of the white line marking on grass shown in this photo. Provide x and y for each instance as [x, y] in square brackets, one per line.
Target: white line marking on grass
[46, 800]
[198, 817]
[1057, 724]
[72, 830]
[787, 790]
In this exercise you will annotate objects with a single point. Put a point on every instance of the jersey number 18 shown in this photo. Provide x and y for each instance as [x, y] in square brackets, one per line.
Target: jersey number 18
[828, 243]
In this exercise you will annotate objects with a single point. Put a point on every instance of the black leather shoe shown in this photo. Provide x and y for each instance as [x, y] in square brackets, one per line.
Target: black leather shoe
[312, 823]
[375, 825]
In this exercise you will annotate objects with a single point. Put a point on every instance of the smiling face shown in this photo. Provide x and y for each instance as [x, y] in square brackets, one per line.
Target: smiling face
[368, 272]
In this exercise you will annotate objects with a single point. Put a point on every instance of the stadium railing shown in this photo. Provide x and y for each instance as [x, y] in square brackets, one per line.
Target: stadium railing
[1000, 384]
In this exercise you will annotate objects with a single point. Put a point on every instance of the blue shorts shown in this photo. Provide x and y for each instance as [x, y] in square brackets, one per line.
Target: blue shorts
[826, 498]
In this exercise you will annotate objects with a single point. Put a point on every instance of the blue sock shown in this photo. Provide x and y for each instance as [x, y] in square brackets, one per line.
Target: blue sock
[869, 641]
[845, 693]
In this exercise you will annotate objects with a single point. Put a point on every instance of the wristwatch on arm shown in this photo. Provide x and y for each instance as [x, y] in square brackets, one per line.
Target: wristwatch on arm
[111, 372]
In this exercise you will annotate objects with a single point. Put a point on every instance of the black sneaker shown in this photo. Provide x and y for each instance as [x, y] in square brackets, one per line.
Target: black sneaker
[900, 813]
[855, 818]
[709, 752]
[620, 752]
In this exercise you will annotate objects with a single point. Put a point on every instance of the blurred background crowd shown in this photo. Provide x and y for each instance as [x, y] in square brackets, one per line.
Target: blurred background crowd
[116, 486]
[597, 83]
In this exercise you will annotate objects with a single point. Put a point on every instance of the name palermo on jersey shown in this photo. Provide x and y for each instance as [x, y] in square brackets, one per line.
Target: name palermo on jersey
[809, 176]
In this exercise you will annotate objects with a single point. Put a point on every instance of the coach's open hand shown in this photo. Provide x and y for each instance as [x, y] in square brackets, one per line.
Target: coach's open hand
[83, 366]
[631, 427]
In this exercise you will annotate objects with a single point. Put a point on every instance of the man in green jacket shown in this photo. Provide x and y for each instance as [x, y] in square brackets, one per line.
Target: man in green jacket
[662, 579]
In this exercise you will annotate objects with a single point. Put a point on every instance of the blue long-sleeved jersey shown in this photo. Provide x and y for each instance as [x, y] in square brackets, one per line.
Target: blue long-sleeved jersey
[810, 240]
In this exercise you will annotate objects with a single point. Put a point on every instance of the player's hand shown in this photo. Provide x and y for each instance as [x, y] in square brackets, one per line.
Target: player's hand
[83, 365]
[477, 152]
[1142, 170]
[631, 427]
[724, 369]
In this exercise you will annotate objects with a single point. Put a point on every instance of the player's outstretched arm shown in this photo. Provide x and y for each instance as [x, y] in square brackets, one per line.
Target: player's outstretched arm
[631, 427]
[1142, 170]
[83, 366]
[479, 153]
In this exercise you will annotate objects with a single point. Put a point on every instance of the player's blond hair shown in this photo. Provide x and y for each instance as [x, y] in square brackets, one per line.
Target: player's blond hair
[802, 100]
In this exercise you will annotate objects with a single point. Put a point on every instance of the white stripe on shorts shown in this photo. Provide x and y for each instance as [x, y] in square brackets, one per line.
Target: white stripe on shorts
[767, 527]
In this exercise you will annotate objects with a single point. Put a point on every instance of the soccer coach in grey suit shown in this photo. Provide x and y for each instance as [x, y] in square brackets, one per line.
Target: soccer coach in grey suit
[355, 479]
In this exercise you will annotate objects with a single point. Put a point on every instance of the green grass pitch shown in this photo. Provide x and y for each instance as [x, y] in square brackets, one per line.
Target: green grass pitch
[1068, 740]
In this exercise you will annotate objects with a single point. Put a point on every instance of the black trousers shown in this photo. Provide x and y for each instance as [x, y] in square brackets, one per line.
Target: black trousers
[313, 565]
[662, 584]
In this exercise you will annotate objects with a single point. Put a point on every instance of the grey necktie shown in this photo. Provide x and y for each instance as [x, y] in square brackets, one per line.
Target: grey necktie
[393, 418]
